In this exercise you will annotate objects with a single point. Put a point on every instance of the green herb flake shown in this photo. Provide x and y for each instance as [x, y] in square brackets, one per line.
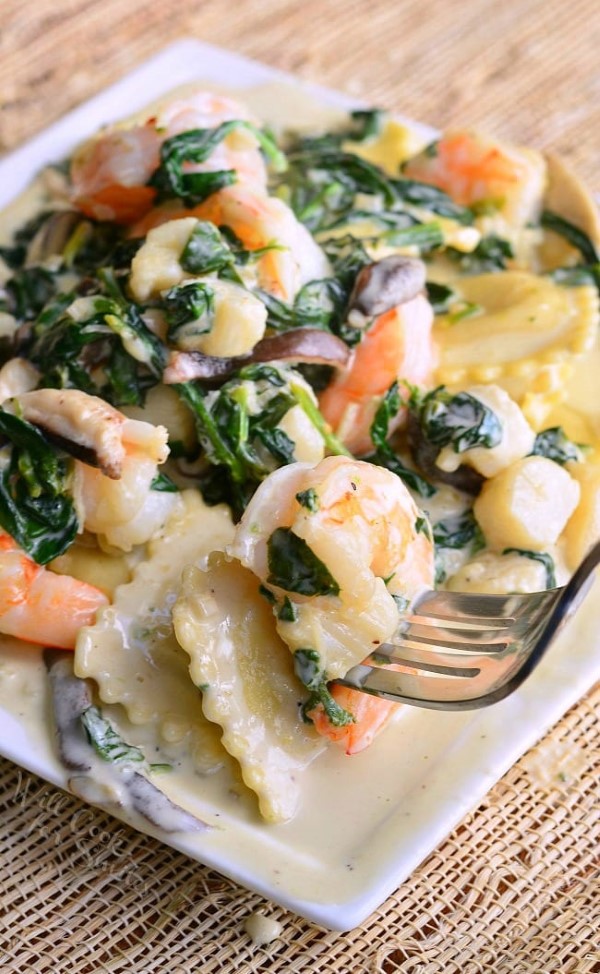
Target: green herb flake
[267, 594]
[308, 499]
[307, 667]
[164, 484]
[288, 611]
[422, 526]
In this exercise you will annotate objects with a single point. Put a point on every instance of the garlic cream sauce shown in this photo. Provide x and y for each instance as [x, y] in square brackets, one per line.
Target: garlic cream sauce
[354, 809]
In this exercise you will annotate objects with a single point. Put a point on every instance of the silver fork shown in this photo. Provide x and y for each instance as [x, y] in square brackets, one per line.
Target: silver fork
[460, 651]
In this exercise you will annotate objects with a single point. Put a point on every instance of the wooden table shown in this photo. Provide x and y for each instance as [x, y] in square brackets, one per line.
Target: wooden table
[516, 887]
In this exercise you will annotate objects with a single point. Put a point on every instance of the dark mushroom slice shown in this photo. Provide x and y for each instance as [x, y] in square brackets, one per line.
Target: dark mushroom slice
[84, 426]
[385, 284]
[71, 697]
[425, 454]
[53, 236]
[154, 805]
[304, 345]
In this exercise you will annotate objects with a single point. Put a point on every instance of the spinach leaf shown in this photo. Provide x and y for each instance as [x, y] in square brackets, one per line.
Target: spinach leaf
[206, 250]
[431, 198]
[293, 566]
[196, 145]
[440, 297]
[36, 506]
[107, 744]
[546, 560]
[189, 310]
[308, 669]
[318, 304]
[288, 611]
[384, 455]
[460, 421]
[572, 234]
[336, 714]
[28, 290]
[458, 532]
[555, 445]
[577, 276]
[164, 484]
[425, 236]
[72, 337]
[491, 254]
[15, 255]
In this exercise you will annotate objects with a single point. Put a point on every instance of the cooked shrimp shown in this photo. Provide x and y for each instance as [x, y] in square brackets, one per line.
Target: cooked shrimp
[356, 527]
[398, 345]
[258, 221]
[370, 716]
[39, 606]
[109, 173]
[473, 169]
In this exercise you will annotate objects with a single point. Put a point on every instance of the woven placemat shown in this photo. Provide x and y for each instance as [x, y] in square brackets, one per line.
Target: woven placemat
[513, 890]
[516, 888]
[523, 69]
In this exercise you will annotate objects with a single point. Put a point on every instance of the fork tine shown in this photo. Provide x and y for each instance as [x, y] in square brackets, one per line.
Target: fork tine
[462, 640]
[443, 663]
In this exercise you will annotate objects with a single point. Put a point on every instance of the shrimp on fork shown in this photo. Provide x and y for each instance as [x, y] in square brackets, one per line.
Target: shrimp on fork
[365, 553]
[110, 173]
[39, 606]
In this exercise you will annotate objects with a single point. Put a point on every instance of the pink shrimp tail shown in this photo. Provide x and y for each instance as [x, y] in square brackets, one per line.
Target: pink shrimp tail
[397, 346]
[371, 714]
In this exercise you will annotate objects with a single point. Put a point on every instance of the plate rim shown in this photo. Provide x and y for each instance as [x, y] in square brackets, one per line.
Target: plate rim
[190, 59]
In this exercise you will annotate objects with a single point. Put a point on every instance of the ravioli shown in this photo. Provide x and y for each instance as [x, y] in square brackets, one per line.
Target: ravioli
[132, 652]
[248, 682]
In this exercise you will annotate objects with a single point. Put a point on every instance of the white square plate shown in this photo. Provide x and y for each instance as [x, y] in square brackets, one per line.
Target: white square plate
[367, 821]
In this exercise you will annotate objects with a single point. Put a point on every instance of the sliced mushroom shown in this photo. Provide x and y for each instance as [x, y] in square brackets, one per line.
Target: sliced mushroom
[153, 804]
[89, 429]
[308, 345]
[384, 285]
[84, 426]
[52, 236]
[70, 698]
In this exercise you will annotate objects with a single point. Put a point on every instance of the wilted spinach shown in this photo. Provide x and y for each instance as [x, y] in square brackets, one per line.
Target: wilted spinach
[36, 505]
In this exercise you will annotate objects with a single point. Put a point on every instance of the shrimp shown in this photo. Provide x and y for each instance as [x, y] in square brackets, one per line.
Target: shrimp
[340, 546]
[473, 169]
[110, 173]
[118, 461]
[259, 221]
[398, 345]
[126, 511]
[40, 606]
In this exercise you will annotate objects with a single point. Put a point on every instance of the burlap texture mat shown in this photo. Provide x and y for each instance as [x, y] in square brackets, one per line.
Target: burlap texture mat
[516, 888]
